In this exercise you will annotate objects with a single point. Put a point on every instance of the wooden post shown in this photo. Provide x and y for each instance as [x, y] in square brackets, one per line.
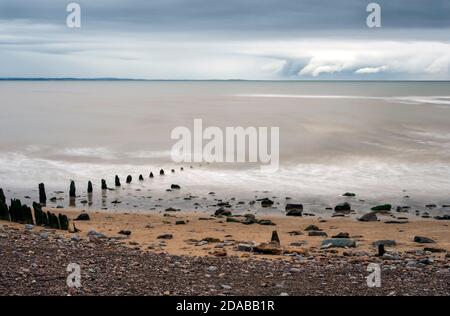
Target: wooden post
[42, 195]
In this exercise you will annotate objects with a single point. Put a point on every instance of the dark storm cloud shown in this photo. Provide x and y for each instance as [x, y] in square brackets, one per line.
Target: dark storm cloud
[253, 16]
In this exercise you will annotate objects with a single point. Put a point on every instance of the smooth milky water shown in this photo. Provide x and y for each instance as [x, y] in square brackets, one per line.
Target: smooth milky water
[379, 140]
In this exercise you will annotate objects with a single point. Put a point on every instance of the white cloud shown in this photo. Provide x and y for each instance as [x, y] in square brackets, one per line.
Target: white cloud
[371, 70]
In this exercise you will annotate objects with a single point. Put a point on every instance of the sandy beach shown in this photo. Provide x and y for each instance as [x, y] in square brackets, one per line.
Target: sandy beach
[199, 233]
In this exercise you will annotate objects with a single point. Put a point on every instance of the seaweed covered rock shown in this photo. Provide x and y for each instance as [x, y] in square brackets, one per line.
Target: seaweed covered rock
[343, 208]
[382, 208]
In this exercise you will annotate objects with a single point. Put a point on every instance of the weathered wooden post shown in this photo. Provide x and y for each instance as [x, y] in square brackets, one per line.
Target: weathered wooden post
[104, 186]
[2, 196]
[4, 212]
[381, 250]
[275, 237]
[42, 195]
[161, 172]
[151, 175]
[129, 179]
[72, 190]
[141, 178]
[117, 181]
[89, 188]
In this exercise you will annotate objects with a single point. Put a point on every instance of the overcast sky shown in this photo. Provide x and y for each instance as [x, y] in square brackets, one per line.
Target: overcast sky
[226, 39]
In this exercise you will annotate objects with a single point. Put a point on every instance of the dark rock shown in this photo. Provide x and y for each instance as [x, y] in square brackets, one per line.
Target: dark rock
[173, 171]
[151, 175]
[381, 250]
[314, 233]
[382, 208]
[222, 212]
[117, 181]
[175, 187]
[171, 209]
[42, 195]
[423, 240]
[232, 220]
[180, 222]
[369, 217]
[295, 233]
[165, 236]
[141, 177]
[83, 217]
[266, 222]
[341, 235]
[104, 186]
[343, 208]
[161, 172]
[349, 194]
[442, 218]
[431, 206]
[339, 243]
[266, 202]
[434, 250]
[72, 190]
[294, 209]
[125, 232]
[312, 227]
[129, 179]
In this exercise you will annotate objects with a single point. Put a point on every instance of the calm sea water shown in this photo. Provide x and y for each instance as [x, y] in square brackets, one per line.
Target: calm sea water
[379, 140]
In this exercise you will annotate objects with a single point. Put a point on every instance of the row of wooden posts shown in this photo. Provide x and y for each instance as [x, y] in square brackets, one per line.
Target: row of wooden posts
[104, 186]
[21, 213]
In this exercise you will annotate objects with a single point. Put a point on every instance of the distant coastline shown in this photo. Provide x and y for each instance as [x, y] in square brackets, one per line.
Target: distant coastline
[200, 80]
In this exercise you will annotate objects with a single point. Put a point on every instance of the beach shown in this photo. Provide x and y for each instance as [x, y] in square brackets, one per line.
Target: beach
[34, 260]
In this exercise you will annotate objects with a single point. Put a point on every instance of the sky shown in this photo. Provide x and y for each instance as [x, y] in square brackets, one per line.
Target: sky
[226, 39]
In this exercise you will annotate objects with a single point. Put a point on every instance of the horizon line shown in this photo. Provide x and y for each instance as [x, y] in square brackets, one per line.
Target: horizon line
[205, 80]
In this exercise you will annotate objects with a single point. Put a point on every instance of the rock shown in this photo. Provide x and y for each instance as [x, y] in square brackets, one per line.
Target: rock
[75, 238]
[349, 194]
[312, 227]
[171, 209]
[434, 250]
[212, 269]
[226, 287]
[175, 187]
[165, 236]
[275, 237]
[245, 247]
[72, 190]
[423, 240]
[161, 172]
[42, 195]
[431, 206]
[385, 242]
[222, 212]
[180, 222]
[295, 233]
[219, 253]
[232, 220]
[339, 243]
[211, 240]
[129, 179]
[104, 186]
[95, 234]
[442, 218]
[151, 175]
[294, 209]
[314, 233]
[271, 248]
[266, 222]
[369, 217]
[29, 227]
[83, 217]
[266, 202]
[141, 177]
[381, 250]
[341, 235]
[89, 187]
[382, 208]
[124, 232]
[343, 208]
